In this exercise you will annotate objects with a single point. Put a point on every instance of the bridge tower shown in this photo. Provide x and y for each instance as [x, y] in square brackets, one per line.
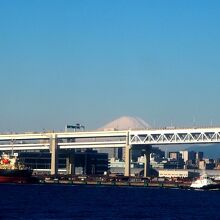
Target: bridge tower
[54, 150]
[128, 152]
[147, 151]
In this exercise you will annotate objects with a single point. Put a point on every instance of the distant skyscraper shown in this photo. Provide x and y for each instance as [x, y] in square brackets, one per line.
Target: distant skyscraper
[199, 156]
[188, 155]
[175, 155]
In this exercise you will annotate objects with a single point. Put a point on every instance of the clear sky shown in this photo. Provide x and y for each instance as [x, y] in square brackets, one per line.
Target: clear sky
[94, 61]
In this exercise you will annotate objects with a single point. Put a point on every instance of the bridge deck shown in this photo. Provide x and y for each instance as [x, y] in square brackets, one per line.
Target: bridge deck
[66, 140]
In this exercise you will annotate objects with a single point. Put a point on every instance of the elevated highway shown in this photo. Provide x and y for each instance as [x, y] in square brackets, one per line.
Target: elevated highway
[53, 141]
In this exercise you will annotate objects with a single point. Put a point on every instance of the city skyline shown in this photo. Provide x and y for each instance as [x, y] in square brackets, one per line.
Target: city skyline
[91, 62]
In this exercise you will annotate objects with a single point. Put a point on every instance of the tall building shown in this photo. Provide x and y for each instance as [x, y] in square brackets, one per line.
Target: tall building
[202, 165]
[175, 155]
[199, 156]
[188, 156]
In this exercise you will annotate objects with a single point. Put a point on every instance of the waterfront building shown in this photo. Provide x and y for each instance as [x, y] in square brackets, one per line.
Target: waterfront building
[85, 162]
[116, 163]
[217, 163]
[207, 164]
[156, 165]
[156, 161]
[202, 165]
[210, 164]
[177, 174]
[174, 164]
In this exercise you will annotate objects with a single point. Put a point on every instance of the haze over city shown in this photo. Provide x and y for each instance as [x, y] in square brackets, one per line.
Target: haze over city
[91, 62]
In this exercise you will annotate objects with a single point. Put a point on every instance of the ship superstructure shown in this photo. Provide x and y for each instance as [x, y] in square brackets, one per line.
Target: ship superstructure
[204, 183]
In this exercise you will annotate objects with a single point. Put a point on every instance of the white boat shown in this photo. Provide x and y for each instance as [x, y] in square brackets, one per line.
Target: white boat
[204, 183]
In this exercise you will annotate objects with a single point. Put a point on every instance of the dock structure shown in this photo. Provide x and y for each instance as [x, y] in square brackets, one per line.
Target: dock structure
[128, 139]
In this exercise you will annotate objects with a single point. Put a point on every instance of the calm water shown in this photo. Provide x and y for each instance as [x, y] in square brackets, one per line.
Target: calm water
[91, 202]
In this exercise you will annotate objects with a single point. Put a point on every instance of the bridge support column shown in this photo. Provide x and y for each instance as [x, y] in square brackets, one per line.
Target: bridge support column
[128, 156]
[54, 155]
[127, 160]
[147, 161]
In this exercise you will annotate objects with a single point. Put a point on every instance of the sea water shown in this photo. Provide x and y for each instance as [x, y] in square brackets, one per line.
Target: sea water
[100, 202]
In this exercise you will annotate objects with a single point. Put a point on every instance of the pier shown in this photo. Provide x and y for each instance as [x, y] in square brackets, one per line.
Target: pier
[118, 181]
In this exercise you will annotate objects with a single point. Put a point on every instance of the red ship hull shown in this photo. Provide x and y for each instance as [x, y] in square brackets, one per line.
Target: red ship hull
[10, 179]
[17, 176]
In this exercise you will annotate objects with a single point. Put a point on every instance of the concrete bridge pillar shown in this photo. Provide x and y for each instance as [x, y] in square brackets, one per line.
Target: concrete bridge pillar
[127, 157]
[54, 155]
[147, 152]
[127, 160]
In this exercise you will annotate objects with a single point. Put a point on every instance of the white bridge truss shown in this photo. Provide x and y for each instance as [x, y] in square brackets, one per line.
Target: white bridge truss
[176, 136]
[113, 139]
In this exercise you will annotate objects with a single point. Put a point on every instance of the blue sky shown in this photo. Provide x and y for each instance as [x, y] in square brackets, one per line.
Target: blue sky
[93, 61]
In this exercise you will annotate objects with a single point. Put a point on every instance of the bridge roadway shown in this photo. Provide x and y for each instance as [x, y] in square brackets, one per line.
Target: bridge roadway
[54, 141]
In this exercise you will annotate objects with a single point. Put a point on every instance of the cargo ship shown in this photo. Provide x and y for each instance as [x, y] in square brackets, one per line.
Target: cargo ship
[13, 171]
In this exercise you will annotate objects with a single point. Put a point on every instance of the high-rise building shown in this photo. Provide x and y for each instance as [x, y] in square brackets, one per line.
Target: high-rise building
[175, 155]
[199, 156]
[188, 155]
